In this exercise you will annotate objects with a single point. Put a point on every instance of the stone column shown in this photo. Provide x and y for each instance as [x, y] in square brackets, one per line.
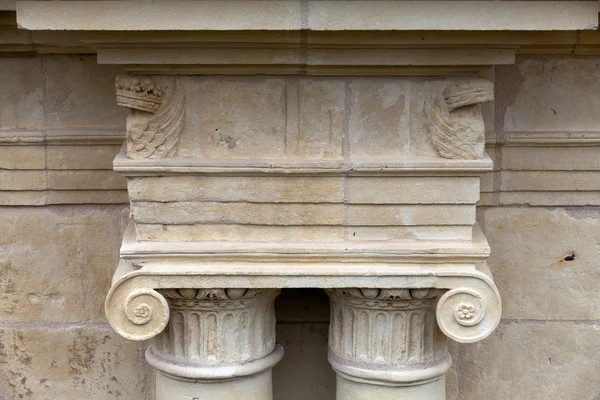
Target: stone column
[219, 344]
[385, 344]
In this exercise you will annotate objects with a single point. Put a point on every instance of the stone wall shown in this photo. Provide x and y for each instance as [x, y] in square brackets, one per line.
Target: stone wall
[64, 211]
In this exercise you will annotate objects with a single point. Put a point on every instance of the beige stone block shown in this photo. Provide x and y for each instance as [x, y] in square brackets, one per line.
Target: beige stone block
[238, 213]
[533, 361]
[320, 118]
[369, 215]
[81, 157]
[549, 94]
[487, 199]
[549, 180]
[574, 198]
[22, 180]
[237, 189]
[531, 261]
[71, 363]
[551, 158]
[22, 93]
[379, 123]
[487, 181]
[413, 190]
[22, 157]
[56, 262]
[245, 233]
[78, 180]
[23, 198]
[434, 232]
[304, 372]
[81, 93]
[242, 117]
[87, 197]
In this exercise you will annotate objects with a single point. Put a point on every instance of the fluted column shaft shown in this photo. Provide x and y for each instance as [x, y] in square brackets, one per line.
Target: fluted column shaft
[386, 344]
[219, 344]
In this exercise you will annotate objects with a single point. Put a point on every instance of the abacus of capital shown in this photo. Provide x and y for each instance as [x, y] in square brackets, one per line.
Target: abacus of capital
[299, 145]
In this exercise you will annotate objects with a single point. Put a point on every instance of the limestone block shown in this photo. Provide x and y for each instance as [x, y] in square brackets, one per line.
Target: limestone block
[87, 197]
[22, 157]
[429, 232]
[242, 118]
[549, 181]
[80, 93]
[413, 190]
[23, 198]
[531, 261]
[379, 118]
[237, 189]
[549, 94]
[22, 93]
[77, 180]
[535, 198]
[386, 215]
[250, 233]
[71, 363]
[551, 158]
[57, 262]
[238, 213]
[81, 157]
[23, 180]
[534, 361]
[320, 119]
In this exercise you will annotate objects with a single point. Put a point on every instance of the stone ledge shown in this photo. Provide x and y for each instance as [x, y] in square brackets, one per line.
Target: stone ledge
[138, 15]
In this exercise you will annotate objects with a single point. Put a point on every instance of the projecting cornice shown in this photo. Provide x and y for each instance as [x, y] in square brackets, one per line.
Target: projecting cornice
[308, 37]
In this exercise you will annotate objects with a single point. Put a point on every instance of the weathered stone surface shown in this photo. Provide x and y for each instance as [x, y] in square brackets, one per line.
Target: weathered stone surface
[551, 158]
[534, 361]
[80, 93]
[413, 190]
[379, 118]
[238, 213]
[21, 96]
[42, 362]
[22, 157]
[574, 198]
[411, 215]
[78, 180]
[531, 251]
[430, 232]
[566, 181]
[320, 119]
[57, 262]
[250, 233]
[23, 180]
[549, 94]
[242, 118]
[240, 188]
[81, 157]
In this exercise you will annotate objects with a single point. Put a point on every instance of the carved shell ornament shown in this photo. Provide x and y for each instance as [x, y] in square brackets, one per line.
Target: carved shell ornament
[156, 117]
[455, 119]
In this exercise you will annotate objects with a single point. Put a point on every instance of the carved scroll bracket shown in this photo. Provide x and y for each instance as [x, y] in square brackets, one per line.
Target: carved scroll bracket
[468, 311]
[156, 117]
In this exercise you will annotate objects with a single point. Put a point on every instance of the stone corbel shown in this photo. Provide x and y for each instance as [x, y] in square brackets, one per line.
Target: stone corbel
[455, 119]
[156, 114]
[467, 311]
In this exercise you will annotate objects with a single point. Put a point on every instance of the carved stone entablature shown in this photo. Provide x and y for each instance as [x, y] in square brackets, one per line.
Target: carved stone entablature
[156, 117]
[455, 119]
